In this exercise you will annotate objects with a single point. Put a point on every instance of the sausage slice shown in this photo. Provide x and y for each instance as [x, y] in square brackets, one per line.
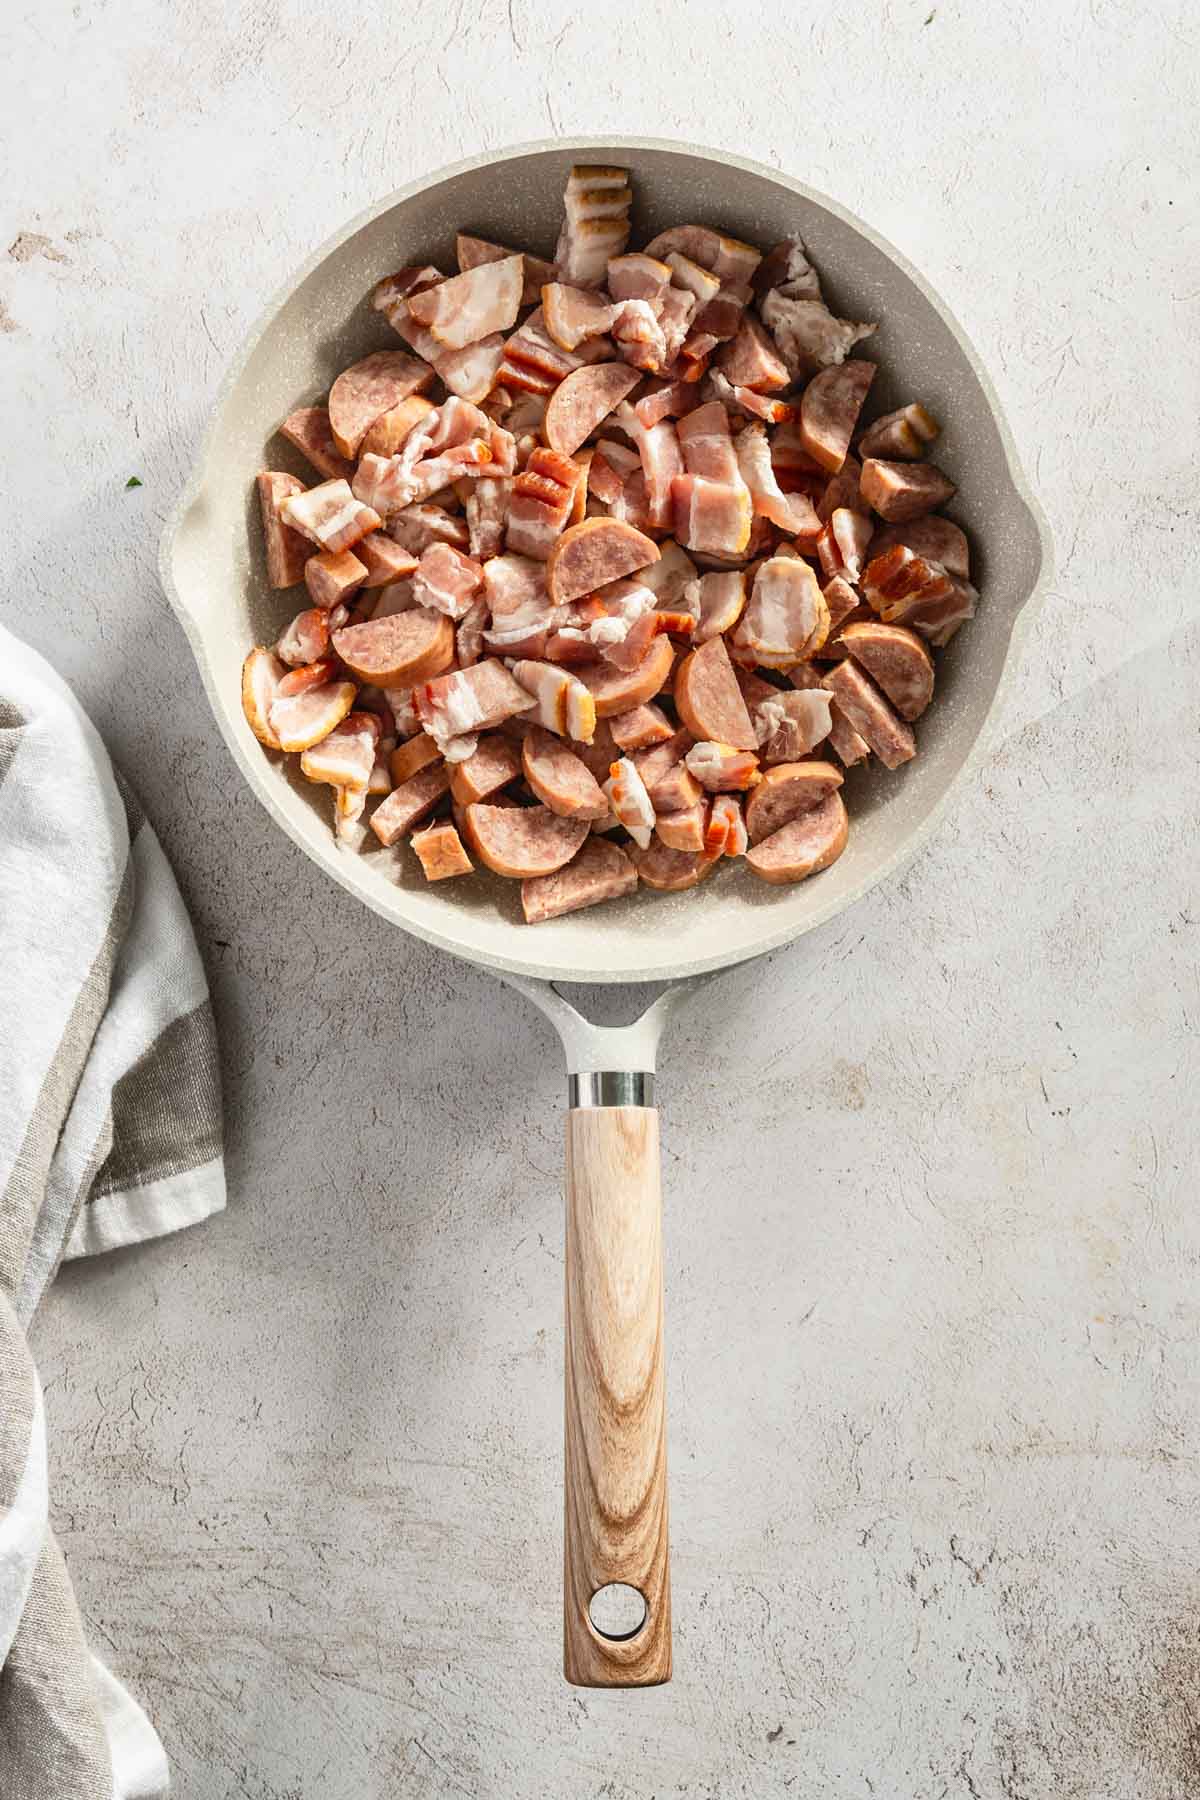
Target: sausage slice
[371, 387]
[786, 791]
[619, 690]
[708, 699]
[671, 871]
[829, 409]
[439, 849]
[522, 841]
[592, 553]
[399, 650]
[861, 702]
[583, 399]
[600, 871]
[807, 844]
[490, 768]
[898, 661]
[287, 549]
[901, 491]
[559, 778]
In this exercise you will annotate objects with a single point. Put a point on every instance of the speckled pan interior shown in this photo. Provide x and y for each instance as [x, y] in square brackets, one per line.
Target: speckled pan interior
[213, 568]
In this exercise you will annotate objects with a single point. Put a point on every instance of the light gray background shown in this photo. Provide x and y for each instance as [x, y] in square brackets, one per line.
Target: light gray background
[931, 1212]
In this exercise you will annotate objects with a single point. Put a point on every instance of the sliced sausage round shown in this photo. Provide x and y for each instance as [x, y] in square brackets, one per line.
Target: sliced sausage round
[898, 660]
[671, 871]
[522, 842]
[560, 779]
[583, 399]
[786, 791]
[600, 871]
[371, 387]
[708, 699]
[617, 690]
[829, 409]
[807, 844]
[400, 649]
[592, 553]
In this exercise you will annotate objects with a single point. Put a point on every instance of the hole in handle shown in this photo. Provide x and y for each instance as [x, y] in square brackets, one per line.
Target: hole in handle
[618, 1611]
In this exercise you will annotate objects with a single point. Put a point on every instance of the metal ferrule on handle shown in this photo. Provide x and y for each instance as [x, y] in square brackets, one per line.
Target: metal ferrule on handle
[610, 1087]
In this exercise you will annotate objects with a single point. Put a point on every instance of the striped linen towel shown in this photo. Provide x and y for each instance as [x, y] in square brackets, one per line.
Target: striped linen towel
[110, 1132]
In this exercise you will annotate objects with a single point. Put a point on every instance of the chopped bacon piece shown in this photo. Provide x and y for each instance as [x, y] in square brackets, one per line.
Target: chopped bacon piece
[471, 372]
[563, 704]
[287, 549]
[638, 277]
[440, 852]
[719, 768]
[468, 701]
[371, 387]
[474, 305]
[487, 514]
[301, 720]
[416, 527]
[841, 600]
[938, 540]
[596, 226]
[720, 598]
[533, 362]
[669, 577]
[632, 507]
[786, 265]
[725, 257]
[786, 618]
[468, 634]
[789, 725]
[330, 515]
[829, 409]
[902, 491]
[345, 756]
[472, 251]
[390, 430]
[707, 444]
[639, 336]
[262, 673]
[309, 429]
[446, 580]
[897, 584]
[306, 639]
[666, 400]
[842, 489]
[571, 314]
[750, 359]
[793, 513]
[468, 372]
[692, 278]
[661, 457]
[807, 335]
[543, 495]
[406, 759]
[309, 675]
[757, 406]
[843, 543]
[582, 400]
[630, 802]
[843, 739]
[711, 517]
[683, 830]
[515, 590]
[904, 435]
[678, 306]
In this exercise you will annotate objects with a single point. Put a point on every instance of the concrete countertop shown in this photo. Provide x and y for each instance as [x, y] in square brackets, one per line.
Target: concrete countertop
[932, 1241]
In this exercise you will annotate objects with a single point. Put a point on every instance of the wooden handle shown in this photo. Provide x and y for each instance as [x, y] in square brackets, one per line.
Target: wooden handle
[616, 1424]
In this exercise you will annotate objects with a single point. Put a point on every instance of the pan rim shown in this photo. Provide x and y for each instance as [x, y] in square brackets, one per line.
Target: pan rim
[770, 938]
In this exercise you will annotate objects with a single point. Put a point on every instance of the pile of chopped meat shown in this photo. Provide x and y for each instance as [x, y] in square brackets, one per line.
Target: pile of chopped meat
[607, 579]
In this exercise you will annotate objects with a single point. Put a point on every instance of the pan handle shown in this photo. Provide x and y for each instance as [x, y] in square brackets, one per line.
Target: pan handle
[615, 1523]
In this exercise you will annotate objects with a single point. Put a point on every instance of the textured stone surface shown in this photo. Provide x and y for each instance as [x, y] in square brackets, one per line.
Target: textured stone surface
[932, 1242]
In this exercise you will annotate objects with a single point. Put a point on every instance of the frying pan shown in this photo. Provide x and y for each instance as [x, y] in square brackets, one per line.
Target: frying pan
[615, 1537]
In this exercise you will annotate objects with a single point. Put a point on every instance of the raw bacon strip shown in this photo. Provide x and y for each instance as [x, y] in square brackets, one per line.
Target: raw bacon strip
[936, 539]
[468, 700]
[543, 495]
[306, 639]
[262, 673]
[564, 704]
[471, 372]
[790, 725]
[468, 633]
[842, 489]
[793, 513]
[750, 360]
[674, 319]
[671, 871]
[726, 827]
[486, 508]
[902, 491]
[897, 660]
[599, 871]
[719, 768]
[330, 515]
[667, 400]
[382, 559]
[727, 258]
[559, 778]
[592, 553]
[596, 226]
[829, 409]
[809, 843]
[786, 791]
[515, 590]
[786, 619]
[692, 278]
[806, 333]
[870, 714]
[301, 720]
[713, 518]
[630, 802]
[708, 699]
[897, 584]
[446, 580]
[440, 852]
[468, 372]
[904, 435]
[472, 251]
[390, 430]
[421, 525]
[638, 277]
[496, 762]
[668, 578]
[522, 842]
[399, 650]
[345, 756]
[367, 389]
[662, 460]
[309, 430]
[672, 790]
[720, 597]
[639, 336]
[571, 314]
[842, 544]
[309, 675]
[619, 690]
[409, 803]
[707, 444]
[582, 400]
[611, 466]
[287, 549]
[534, 363]
[756, 405]
[467, 307]
[641, 727]
[406, 759]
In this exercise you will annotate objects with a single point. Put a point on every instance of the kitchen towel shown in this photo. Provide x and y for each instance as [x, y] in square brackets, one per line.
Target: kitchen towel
[110, 1132]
